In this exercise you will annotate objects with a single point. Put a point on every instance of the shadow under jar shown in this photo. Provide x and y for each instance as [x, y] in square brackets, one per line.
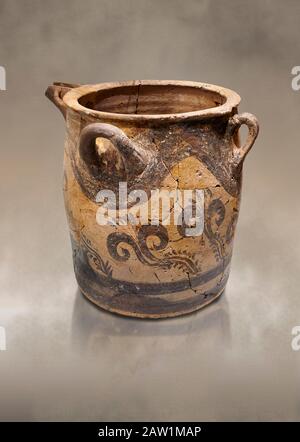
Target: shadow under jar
[172, 136]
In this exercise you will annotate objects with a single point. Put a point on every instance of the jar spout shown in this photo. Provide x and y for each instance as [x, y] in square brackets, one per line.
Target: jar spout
[56, 91]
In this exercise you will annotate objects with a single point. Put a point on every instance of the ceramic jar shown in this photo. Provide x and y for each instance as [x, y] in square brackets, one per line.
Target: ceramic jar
[152, 136]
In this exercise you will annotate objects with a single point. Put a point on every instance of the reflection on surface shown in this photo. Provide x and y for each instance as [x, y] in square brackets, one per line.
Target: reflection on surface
[93, 327]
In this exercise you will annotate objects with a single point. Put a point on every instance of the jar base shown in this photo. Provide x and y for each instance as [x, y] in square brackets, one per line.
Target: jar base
[146, 300]
[143, 315]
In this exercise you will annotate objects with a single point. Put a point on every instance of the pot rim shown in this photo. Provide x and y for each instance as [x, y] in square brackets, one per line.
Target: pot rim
[231, 101]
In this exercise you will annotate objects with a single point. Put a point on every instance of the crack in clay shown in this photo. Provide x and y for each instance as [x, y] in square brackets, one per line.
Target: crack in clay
[156, 276]
[168, 169]
[137, 98]
[190, 283]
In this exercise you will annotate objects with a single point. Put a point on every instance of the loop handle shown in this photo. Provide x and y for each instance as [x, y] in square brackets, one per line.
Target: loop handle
[135, 157]
[234, 123]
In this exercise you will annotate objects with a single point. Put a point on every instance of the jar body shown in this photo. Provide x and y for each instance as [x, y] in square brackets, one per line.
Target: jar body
[155, 270]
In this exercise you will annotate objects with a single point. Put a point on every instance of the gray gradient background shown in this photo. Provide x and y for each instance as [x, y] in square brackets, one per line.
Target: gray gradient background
[66, 359]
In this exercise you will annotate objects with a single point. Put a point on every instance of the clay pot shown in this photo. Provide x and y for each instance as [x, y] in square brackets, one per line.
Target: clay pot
[151, 135]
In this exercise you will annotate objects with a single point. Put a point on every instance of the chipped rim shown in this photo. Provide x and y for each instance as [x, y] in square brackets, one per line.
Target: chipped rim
[232, 100]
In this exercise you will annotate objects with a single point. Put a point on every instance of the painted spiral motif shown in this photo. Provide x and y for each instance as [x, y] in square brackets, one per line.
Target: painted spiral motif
[118, 243]
[121, 245]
